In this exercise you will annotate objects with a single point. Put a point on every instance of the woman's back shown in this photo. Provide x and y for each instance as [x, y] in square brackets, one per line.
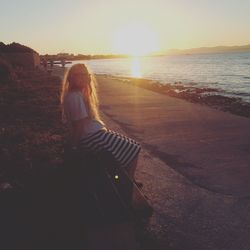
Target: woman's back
[76, 109]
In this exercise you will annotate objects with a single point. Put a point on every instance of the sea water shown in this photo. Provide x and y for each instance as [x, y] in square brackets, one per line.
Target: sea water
[227, 72]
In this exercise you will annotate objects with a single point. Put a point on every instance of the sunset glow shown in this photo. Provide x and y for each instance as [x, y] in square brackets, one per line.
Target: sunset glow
[136, 67]
[135, 39]
[129, 27]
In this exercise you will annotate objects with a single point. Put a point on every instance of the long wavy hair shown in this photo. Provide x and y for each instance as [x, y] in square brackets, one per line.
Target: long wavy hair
[89, 91]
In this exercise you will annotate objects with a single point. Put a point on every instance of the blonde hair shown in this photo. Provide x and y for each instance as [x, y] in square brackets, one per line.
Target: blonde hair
[90, 92]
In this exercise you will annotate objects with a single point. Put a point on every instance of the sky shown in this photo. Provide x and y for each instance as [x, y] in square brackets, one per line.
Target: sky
[129, 26]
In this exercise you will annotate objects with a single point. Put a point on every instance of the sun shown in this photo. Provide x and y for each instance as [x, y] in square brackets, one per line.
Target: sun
[135, 39]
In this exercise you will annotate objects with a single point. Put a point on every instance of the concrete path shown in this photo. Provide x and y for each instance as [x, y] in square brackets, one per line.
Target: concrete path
[195, 165]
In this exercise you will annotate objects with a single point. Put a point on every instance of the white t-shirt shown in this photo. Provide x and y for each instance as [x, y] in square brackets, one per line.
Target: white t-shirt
[75, 109]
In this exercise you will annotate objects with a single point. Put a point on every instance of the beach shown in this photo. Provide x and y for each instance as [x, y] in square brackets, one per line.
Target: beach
[194, 161]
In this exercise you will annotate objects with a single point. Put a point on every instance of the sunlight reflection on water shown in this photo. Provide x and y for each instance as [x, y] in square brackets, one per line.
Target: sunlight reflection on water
[228, 72]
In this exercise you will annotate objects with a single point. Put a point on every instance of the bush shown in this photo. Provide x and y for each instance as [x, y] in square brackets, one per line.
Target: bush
[14, 47]
[6, 71]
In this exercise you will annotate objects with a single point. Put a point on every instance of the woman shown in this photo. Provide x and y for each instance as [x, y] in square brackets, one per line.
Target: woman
[80, 103]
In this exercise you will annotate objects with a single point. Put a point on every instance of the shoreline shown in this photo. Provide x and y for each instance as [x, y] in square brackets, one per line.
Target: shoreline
[211, 97]
[204, 96]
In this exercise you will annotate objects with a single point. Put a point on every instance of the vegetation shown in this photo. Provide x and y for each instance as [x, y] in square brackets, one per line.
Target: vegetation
[6, 71]
[30, 129]
[14, 47]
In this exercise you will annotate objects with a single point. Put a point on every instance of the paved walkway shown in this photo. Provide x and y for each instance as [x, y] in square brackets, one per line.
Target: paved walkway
[195, 165]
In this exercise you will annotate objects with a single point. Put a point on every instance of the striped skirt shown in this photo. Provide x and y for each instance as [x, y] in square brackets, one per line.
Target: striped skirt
[123, 148]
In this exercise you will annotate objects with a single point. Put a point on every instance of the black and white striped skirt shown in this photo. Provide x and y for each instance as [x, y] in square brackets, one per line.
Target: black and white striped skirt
[123, 148]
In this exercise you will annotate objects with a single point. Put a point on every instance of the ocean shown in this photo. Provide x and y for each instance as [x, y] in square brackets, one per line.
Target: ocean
[227, 72]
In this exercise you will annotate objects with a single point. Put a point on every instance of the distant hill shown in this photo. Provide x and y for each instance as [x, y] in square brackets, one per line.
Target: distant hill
[14, 48]
[201, 50]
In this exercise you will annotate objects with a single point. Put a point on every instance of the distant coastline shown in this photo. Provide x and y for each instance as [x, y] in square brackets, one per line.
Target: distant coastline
[206, 50]
[201, 50]
[72, 57]
[14, 47]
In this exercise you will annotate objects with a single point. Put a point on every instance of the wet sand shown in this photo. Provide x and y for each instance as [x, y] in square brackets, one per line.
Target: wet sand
[194, 164]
